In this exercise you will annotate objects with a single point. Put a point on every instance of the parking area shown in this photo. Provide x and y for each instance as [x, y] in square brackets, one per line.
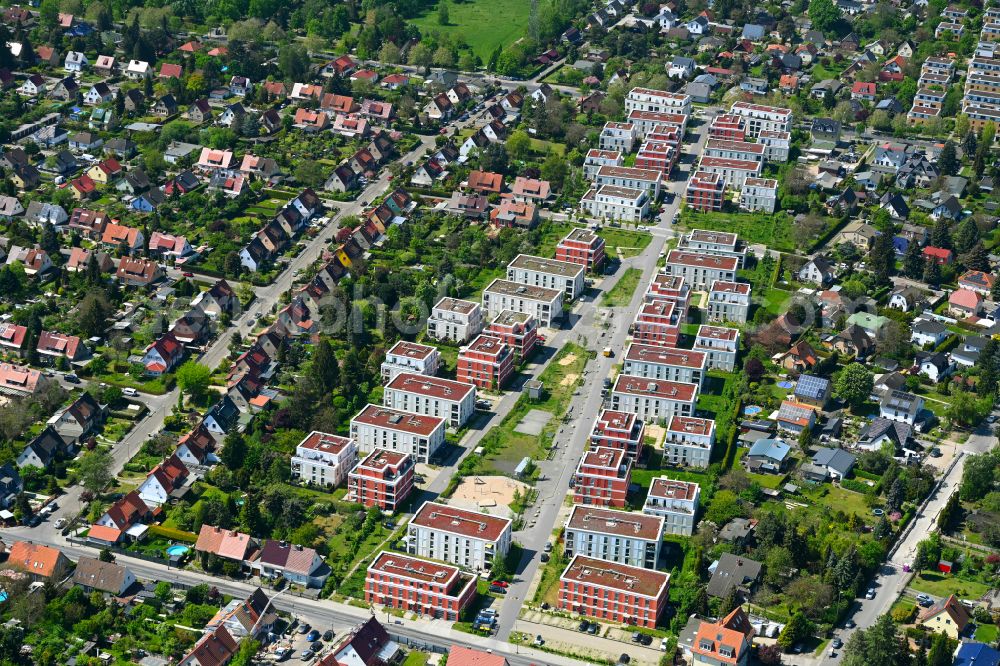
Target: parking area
[303, 643]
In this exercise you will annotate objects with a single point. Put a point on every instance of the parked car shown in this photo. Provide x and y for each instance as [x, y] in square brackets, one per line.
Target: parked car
[870, 594]
[61, 523]
[328, 635]
[312, 636]
[837, 643]
[545, 557]
[583, 626]
[539, 640]
[303, 628]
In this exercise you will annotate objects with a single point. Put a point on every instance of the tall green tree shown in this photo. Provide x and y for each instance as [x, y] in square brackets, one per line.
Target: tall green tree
[932, 273]
[948, 159]
[966, 235]
[879, 645]
[823, 14]
[854, 384]
[913, 261]
[325, 368]
[883, 258]
[941, 234]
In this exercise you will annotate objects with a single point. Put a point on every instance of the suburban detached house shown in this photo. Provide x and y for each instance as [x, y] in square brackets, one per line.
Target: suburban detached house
[297, 564]
[163, 355]
[38, 561]
[163, 482]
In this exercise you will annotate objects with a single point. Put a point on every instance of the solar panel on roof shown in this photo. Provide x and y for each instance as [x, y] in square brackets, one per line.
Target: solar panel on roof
[811, 387]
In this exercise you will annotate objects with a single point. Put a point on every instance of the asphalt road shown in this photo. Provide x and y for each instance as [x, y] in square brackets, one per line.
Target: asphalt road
[597, 327]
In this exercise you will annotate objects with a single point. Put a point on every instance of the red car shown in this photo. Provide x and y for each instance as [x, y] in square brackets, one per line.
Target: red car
[541, 338]
[188, 274]
[500, 583]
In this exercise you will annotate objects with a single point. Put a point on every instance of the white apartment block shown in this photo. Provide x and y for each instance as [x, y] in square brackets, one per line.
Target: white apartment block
[777, 145]
[619, 137]
[689, 441]
[658, 362]
[653, 400]
[377, 427]
[721, 346]
[544, 304]
[761, 118]
[653, 122]
[431, 396]
[456, 320]
[597, 158]
[631, 178]
[676, 502]
[659, 101]
[716, 243]
[699, 270]
[733, 172]
[324, 460]
[734, 150]
[616, 203]
[549, 273]
[729, 301]
[759, 194]
[614, 536]
[465, 538]
[410, 357]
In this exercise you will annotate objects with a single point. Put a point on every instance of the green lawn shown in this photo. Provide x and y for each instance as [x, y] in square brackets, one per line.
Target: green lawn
[416, 658]
[775, 231]
[624, 243]
[941, 585]
[987, 633]
[621, 294]
[482, 24]
[835, 498]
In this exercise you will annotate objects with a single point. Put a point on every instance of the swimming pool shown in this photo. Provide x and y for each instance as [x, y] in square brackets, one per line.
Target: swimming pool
[786, 384]
[751, 410]
[177, 551]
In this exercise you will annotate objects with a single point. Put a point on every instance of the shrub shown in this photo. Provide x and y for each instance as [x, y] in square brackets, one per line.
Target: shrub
[904, 614]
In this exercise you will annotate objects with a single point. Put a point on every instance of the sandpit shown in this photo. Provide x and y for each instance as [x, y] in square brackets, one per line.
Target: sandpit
[568, 379]
[567, 359]
[488, 492]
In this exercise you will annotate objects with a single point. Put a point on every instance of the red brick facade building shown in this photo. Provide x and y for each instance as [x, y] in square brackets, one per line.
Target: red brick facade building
[383, 479]
[618, 430]
[582, 246]
[519, 330]
[705, 191]
[657, 323]
[602, 477]
[421, 586]
[613, 592]
[487, 363]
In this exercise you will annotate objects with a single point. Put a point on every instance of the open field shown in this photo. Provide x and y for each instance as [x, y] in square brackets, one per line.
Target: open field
[507, 22]
[621, 294]
[775, 231]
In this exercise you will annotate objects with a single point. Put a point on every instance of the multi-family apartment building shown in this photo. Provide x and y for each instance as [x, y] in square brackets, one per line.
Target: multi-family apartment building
[582, 246]
[614, 536]
[549, 273]
[615, 593]
[672, 288]
[376, 427]
[689, 441]
[410, 357]
[486, 362]
[630, 178]
[729, 301]
[455, 319]
[759, 118]
[420, 586]
[759, 194]
[777, 145]
[728, 126]
[734, 150]
[465, 538]
[544, 304]
[454, 401]
[618, 430]
[602, 477]
[615, 203]
[383, 479]
[733, 172]
[596, 158]
[618, 137]
[324, 460]
[660, 101]
[653, 400]
[701, 270]
[650, 122]
[721, 346]
[657, 155]
[715, 243]
[705, 191]
[670, 363]
[518, 330]
[676, 502]
[657, 323]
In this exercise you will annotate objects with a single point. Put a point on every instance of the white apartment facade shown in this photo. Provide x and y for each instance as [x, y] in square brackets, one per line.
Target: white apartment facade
[689, 441]
[456, 320]
[465, 538]
[701, 270]
[675, 502]
[376, 427]
[616, 203]
[431, 396]
[720, 345]
[324, 460]
[631, 178]
[761, 118]
[614, 536]
[548, 273]
[410, 357]
[544, 304]
[659, 362]
[659, 101]
[759, 194]
[729, 301]
[653, 400]
[617, 137]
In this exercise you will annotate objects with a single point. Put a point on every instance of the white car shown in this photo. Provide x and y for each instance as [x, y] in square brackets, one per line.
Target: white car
[871, 593]
[61, 523]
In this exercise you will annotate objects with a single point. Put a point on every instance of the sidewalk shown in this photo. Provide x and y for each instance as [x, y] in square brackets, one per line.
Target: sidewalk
[583, 644]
